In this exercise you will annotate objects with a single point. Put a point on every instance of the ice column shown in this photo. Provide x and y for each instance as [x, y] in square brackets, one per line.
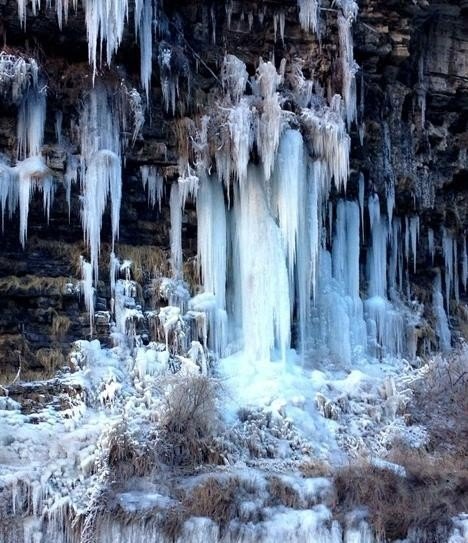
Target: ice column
[264, 286]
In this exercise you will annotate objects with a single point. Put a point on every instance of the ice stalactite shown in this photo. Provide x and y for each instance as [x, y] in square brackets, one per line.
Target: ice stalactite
[101, 169]
[448, 253]
[395, 265]
[169, 80]
[464, 274]
[145, 31]
[105, 25]
[329, 139]
[32, 174]
[414, 228]
[87, 289]
[346, 16]
[212, 255]
[430, 244]
[309, 15]
[385, 323]
[153, 182]
[234, 77]
[361, 195]
[240, 123]
[105, 22]
[17, 75]
[442, 326]
[31, 121]
[288, 197]
[279, 21]
[338, 305]
[264, 287]
[269, 123]
[176, 208]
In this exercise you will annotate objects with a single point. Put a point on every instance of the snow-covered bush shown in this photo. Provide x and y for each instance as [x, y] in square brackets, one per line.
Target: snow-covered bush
[190, 421]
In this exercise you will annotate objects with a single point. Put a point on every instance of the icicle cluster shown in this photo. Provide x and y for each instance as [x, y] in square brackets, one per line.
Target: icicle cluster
[101, 169]
[309, 14]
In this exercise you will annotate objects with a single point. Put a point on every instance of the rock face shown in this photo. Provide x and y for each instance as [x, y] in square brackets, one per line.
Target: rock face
[411, 141]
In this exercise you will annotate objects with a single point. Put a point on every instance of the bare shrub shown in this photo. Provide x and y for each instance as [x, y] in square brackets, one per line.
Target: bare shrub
[215, 499]
[125, 456]
[190, 421]
[440, 402]
[424, 501]
[282, 493]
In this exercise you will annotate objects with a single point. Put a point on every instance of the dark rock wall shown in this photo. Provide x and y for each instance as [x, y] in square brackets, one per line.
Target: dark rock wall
[414, 58]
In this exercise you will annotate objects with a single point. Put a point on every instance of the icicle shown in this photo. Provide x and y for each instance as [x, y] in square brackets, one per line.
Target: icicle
[153, 181]
[212, 255]
[70, 176]
[393, 268]
[175, 203]
[456, 278]
[146, 43]
[361, 192]
[447, 250]
[346, 16]
[430, 244]
[87, 289]
[442, 326]
[390, 198]
[407, 239]
[288, 196]
[377, 253]
[329, 139]
[464, 275]
[58, 127]
[309, 15]
[241, 131]
[101, 170]
[211, 238]
[264, 290]
[104, 23]
[414, 236]
[234, 77]
[269, 123]
[31, 121]
[17, 75]
[32, 174]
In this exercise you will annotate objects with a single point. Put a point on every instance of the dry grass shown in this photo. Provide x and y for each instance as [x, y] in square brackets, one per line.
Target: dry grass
[315, 468]
[60, 326]
[50, 359]
[425, 500]
[148, 261]
[190, 421]
[32, 285]
[282, 493]
[126, 457]
[215, 499]
[69, 252]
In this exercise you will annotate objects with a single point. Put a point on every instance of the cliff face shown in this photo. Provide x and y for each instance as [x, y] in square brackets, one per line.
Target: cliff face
[410, 141]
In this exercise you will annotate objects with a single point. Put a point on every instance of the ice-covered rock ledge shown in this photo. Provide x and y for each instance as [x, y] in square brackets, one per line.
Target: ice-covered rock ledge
[141, 452]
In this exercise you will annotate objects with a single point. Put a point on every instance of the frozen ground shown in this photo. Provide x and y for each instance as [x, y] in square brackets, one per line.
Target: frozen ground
[278, 418]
